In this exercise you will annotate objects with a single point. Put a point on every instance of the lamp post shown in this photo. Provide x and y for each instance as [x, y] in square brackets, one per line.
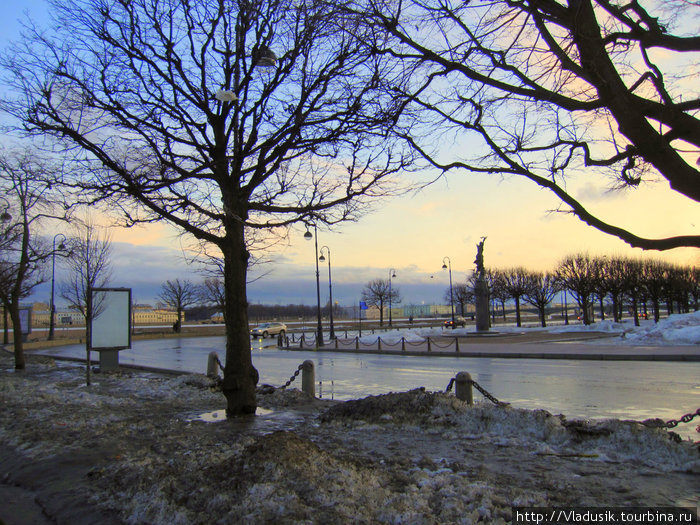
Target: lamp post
[52, 308]
[330, 286]
[319, 329]
[448, 266]
[392, 273]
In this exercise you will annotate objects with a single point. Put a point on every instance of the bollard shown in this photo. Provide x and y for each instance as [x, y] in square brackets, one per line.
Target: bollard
[429, 349]
[463, 387]
[308, 378]
[213, 365]
[457, 344]
[357, 343]
[403, 344]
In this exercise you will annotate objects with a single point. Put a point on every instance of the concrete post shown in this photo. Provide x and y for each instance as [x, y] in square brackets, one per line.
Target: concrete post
[213, 365]
[463, 387]
[308, 378]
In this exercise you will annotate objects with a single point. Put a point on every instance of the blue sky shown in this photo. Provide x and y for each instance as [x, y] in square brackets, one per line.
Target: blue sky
[412, 234]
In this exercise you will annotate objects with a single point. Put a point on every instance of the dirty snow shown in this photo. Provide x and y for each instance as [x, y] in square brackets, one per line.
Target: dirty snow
[413, 457]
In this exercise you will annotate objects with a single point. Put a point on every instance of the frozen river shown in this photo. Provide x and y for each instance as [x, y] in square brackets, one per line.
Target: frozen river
[591, 389]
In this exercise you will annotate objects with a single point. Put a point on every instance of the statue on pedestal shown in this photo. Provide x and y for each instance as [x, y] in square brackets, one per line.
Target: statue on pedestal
[481, 290]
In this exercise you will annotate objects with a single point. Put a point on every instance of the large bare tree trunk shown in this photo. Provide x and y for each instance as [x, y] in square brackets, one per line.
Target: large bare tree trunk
[17, 335]
[240, 377]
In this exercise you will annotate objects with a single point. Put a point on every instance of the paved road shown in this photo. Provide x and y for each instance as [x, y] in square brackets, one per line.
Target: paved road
[571, 345]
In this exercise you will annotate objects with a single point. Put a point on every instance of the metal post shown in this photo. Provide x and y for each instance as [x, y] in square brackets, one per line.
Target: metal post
[392, 273]
[463, 387]
[308, 378]
[52, 308]
[319, 328]
[330, 288]
[452, 303]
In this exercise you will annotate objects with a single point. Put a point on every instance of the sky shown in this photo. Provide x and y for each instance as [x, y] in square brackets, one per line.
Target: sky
[412, 234]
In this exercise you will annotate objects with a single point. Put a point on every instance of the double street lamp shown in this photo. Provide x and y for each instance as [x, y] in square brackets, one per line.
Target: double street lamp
[448, 266]
[330, 286]
[392, 273]
[52, 308]
[319, 329]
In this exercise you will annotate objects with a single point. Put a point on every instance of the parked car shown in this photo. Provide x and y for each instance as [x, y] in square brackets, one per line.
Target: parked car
[266, 329]
[459, 321]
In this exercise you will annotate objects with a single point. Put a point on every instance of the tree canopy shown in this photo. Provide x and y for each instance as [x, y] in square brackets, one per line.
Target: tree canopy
[548, 90]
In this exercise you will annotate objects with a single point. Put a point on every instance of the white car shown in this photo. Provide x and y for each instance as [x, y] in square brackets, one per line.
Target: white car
[266, 329]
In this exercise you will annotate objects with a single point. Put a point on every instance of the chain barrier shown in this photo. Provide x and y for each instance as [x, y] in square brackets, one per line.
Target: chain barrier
[218, 362]
[487, 395]
[294, 376]
[480, 388]
[672, 423]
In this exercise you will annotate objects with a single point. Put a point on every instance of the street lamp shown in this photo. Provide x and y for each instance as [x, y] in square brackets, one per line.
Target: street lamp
[330, 285]
[52, 309]
[392, 273]
[5, 216]
[319, 329]
[448, 266]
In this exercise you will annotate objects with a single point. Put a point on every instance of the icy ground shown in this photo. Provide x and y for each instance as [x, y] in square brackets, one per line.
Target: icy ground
[676, 329]
[134, 447]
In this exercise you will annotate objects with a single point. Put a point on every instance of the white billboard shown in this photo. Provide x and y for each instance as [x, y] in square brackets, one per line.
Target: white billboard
[111, 320]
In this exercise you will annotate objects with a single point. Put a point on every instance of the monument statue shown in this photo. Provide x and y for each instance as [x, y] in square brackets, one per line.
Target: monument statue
[480, 256]
[481, 290]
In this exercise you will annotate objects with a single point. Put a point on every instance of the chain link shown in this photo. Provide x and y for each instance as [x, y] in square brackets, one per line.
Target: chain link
[294, 376]
[449, 387]
[487, 395]
[673, 423]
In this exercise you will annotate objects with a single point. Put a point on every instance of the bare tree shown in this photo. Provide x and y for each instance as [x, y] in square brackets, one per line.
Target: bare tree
[497, 289]
[540, 292]
[89, 264]
[516, 282]
[578, 274]
[546, 89]
[654, 282]
[376, 293]
[462, 294]
[212, 291]
[217, 117]
[179, 295]
[25, 184]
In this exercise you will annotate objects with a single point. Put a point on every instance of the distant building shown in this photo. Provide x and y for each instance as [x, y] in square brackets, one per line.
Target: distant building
[146, 314]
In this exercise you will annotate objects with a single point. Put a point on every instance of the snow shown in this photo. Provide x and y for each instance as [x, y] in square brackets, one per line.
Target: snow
[676, 329]
[407, 457]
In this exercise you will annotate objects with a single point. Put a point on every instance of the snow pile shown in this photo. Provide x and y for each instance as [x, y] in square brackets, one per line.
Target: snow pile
[408, 457]
[537, 430]
[606, 326]
[675, 329]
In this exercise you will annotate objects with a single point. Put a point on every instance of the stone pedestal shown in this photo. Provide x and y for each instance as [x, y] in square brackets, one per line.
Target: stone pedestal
[481, 291]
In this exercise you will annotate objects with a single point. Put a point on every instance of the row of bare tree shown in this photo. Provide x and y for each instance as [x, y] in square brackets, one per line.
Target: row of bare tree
[616, 282]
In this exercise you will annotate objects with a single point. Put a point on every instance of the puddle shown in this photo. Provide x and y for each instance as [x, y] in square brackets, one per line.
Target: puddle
[263, 422]
[220, 415]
